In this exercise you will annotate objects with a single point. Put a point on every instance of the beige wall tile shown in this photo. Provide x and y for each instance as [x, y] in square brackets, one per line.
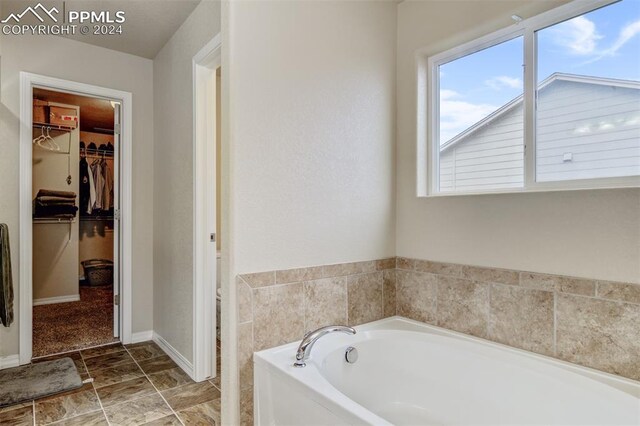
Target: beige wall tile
[522, 318]
[389, 293]
[601, 334]
[364, 294]
[438, 268]
[244, 293]
[490, 275]
[353, 268]
[625, 292]
[299, 275]
[383, 264]
[278, 315]
[245, 354]
[260, 279]
[463, 305]
[246, 407]
[416, 294]
[404, 263]
[558, 283]
[325, 302]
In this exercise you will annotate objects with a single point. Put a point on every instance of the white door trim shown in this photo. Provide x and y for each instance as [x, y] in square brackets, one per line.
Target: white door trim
[27, 82]
[204, 66]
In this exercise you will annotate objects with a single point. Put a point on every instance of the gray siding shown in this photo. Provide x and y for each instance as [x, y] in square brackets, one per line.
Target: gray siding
[598, 125]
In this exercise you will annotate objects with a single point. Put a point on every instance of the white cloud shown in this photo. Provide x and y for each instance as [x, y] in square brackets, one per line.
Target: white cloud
[457, 115]
[579, 35]
[626, 34]
[500, 82]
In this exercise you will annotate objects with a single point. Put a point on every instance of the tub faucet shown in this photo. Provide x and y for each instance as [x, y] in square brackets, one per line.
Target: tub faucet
[309, 339]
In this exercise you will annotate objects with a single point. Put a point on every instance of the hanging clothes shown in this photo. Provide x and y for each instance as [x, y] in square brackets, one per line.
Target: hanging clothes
[107, 195]
[85, 187]
[98, 179]
[92, 190]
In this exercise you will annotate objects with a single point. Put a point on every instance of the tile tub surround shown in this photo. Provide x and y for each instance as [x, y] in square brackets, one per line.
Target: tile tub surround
[587, 322]
[278, 307]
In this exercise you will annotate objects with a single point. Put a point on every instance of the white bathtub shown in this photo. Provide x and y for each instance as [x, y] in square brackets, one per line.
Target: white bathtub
[409, 373]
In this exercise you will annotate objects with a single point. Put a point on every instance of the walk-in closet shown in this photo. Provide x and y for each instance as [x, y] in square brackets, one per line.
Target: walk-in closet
[75, 233]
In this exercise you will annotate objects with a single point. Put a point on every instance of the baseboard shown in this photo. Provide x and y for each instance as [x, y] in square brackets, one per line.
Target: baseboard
[176, 356]
[142, 336]
[9, 361]
[57, 299]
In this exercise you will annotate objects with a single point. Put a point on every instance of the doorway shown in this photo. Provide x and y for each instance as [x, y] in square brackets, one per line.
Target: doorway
[208, 248]
[75, 203]
[75, 230]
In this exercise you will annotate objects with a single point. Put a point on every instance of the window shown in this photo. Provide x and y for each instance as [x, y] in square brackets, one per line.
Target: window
[551, 103]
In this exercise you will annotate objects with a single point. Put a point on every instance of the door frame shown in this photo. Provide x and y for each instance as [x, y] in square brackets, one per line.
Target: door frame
[27, 82]
[204, 66]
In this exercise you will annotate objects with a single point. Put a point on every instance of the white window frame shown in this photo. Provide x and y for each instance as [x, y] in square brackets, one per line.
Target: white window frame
[428, 91]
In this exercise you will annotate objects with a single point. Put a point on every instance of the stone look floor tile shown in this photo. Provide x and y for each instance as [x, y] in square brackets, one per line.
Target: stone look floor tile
[66, 405]
[125, 391]
[168, 379]
[155, 365]
[102, 350]
[166, 421]
[138, 411]
[75, 356]
[107, 361]
[186, 396]
[207, 413]
[120, 373]
[145, 351]
[22, 415]
[97, 418]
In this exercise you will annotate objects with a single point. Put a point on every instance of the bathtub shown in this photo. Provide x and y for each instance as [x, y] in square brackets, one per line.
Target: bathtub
[410, 373]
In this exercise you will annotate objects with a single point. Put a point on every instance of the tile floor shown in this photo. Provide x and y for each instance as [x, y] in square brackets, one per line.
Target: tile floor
[132, 385]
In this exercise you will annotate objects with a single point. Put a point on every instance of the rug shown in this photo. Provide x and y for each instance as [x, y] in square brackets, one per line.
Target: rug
[29, 382]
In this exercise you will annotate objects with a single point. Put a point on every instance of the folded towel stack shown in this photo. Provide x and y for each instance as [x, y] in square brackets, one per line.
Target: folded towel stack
[58, 204]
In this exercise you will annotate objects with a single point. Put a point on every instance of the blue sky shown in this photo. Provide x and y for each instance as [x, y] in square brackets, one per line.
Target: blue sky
[603, 43]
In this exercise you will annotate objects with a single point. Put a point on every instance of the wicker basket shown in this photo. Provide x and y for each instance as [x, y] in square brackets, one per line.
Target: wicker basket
[98, 272]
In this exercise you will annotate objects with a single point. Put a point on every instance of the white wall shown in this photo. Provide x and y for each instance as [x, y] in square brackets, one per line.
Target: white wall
[593, 234]
[72, 60]
[312, 131]
[173, 185]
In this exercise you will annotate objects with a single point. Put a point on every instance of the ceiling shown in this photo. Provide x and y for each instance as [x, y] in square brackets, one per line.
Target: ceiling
[148, 25]
[96, 115]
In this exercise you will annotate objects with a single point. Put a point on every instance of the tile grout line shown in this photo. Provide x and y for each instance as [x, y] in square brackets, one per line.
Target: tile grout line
[95, 391]
[33, 407]
[154, 386]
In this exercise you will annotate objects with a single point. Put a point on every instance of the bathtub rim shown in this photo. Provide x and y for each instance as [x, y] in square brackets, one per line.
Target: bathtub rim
[275, 357]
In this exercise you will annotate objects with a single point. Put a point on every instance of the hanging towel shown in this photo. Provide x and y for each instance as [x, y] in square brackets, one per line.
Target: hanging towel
[6, 279]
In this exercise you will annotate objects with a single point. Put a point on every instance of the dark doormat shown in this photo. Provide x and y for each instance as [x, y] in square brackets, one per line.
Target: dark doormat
[33, 381]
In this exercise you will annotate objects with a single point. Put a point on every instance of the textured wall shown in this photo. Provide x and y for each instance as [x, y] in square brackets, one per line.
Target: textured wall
[173, 183]
[591, 234]
[75, 61]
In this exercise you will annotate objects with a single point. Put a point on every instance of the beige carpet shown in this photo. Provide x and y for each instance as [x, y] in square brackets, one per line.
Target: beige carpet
[63, 327]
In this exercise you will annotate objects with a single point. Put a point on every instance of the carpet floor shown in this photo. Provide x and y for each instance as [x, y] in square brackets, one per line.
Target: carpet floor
[63, 327]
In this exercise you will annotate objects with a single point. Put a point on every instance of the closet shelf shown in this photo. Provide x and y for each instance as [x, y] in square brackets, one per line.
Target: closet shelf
[53, 127]
[53, 220]
[96, 218]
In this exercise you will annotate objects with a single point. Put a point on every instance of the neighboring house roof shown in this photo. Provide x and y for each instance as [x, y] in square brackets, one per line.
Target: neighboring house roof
[547, 82]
